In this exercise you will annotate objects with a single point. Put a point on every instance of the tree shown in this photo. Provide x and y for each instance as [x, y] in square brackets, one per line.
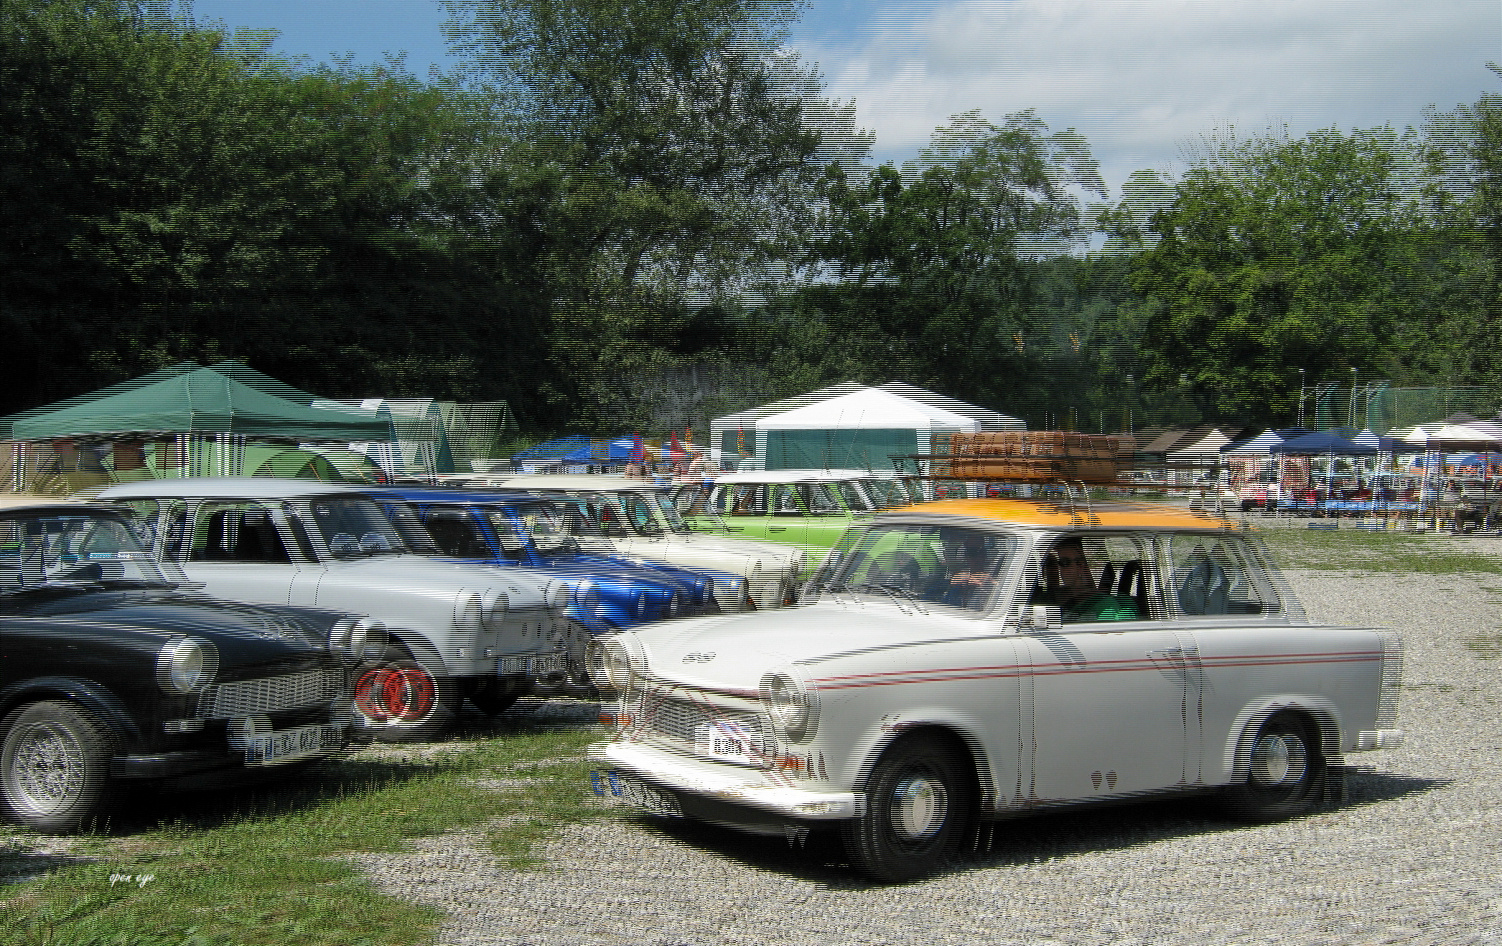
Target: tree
[1278, 254]
[940, 257]
[667, 144]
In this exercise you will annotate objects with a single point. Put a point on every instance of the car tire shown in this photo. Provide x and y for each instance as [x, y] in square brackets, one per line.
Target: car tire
[919, 804]
[400, 700]
[54, 766]
[1287, 772]
[492, 697]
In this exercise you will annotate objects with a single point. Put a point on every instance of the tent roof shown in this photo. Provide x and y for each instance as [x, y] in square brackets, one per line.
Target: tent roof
[1207, 446]
[1259, 446]
[1311, 444]
[1454, 437]
[867, 409]
[201, 400]
[988, 420]
[749, 417]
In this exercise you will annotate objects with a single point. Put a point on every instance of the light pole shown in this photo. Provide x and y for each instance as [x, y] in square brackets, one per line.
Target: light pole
[1301, 398]
[1351, 412]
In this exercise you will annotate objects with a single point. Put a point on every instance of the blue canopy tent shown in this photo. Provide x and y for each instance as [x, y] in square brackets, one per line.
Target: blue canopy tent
[579, 451]
[1325, 444]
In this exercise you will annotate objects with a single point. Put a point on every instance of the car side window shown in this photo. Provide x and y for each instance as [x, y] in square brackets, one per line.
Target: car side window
[455, 532]
[236, 532]
[1214, 575]
[1093, 577]
[785, 501]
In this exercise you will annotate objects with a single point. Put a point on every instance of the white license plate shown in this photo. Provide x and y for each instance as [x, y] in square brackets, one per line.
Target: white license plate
[537, 664]
[723, 739]
[634, 792]
[291, 744]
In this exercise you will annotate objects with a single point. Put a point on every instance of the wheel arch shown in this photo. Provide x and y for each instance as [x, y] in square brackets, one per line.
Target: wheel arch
[957, 735]
[1316, 711]
[98, 700]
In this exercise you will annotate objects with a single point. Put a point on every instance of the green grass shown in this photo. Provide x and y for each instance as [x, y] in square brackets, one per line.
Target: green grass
[1351, 550]
[260, 866]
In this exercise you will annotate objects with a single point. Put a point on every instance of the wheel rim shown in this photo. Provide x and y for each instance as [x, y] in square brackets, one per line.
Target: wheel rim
[1279, 759]
[47, 768]
[396, 694]
[920, 804]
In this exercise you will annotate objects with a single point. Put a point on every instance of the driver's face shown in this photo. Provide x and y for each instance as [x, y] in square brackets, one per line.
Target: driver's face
[1074, 568]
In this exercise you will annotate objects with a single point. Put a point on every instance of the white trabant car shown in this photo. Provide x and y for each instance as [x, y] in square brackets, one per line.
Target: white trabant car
[638, 519]
[456, 630]
[972, 660]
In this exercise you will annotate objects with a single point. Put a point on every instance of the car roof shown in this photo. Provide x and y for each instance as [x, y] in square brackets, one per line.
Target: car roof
[227, 487]
[788, 476]
[26, 501]
[597, 481]
[1050, 515]
[452, 497]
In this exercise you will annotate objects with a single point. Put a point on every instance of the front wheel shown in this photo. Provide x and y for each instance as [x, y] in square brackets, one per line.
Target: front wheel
[400, 700]
[492, 697]
[919, 802]
[1287, 772]
[54, 765]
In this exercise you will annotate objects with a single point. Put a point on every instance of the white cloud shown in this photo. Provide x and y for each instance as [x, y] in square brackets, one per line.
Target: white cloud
[1141, 79]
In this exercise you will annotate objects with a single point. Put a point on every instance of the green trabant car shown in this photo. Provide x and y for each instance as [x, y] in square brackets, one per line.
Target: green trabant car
[805, 508]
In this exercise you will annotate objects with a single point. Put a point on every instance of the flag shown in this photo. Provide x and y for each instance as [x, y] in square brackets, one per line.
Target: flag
[675, 451]
[641, 451]
[740, 442]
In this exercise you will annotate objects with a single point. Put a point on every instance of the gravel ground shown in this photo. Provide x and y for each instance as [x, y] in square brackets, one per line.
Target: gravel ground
[1411, 857]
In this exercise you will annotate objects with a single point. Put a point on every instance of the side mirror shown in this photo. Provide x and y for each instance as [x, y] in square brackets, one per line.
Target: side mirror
[1043, 617]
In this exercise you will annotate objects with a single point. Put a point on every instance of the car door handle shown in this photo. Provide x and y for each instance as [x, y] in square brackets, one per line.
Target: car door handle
[777, 528]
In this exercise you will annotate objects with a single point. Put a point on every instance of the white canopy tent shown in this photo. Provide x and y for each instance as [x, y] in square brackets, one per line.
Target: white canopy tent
[854, 429]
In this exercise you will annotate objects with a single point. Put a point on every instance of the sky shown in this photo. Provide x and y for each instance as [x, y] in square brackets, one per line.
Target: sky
[1142, 80]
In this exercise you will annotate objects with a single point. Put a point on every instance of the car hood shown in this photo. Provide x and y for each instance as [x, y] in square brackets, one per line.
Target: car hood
[732, 555]
[734, 651]
[416, 574]
[242, 633]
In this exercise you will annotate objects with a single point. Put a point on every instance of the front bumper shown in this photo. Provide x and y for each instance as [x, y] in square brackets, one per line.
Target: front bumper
[728, 784]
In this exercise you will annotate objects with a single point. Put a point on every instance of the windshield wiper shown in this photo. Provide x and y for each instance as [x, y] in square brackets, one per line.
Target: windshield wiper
[895, 592]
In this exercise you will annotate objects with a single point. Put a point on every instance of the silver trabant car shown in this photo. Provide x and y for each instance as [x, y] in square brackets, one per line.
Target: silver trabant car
[456, 630]
[638, 519]
[973, 660]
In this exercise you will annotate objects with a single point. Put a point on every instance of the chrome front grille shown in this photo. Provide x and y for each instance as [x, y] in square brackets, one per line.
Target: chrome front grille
[681, 721]
[270, 694]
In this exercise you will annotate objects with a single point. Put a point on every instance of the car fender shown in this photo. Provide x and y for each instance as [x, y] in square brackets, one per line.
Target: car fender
[889, 729]
[97, 699]
[1237, 757]
[419, 648]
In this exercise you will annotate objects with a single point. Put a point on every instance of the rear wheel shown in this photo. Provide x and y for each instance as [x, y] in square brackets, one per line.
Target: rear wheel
[54, 765]
[492, 697]
[403, 701]
[919, 802]
[1287, 772]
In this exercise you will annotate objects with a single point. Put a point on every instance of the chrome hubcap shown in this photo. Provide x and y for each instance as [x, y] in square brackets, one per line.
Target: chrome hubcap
[919, 805]
[1278, 759]
[47, 767]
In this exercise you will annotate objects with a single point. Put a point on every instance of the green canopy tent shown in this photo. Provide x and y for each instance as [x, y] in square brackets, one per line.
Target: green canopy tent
[196, 402]
[182, 421]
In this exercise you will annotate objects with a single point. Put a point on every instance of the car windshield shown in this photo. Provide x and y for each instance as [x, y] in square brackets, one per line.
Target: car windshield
[920, 565]
[550, 530]
[355, 527]
[62, 548]
[646, 513]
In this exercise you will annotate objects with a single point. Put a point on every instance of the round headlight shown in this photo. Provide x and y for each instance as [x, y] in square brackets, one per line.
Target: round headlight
[792, 709]
[609, 664]
[556, 595]
[186, 665]
[493, 607]
[641, 604]
[367, 636]
[339, 635]
[586, 598]
[672, 607]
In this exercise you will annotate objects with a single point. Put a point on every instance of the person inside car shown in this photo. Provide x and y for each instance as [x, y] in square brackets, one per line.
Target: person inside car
[1076, 594]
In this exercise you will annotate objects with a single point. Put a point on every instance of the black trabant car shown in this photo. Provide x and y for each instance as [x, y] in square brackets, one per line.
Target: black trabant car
[111, 670]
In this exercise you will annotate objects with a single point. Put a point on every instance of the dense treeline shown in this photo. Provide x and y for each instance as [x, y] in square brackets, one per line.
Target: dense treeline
[613, 187]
